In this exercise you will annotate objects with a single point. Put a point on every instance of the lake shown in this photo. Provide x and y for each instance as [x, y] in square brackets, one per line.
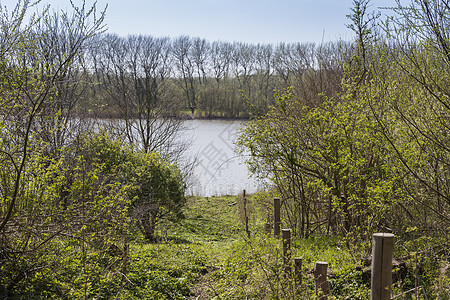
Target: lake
[220, 170]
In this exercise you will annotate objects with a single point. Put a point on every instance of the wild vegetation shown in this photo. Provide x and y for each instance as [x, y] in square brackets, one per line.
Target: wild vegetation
[354, 141]
[376, 156]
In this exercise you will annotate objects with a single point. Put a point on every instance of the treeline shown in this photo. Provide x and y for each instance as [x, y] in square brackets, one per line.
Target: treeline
[135, 74]
[376, 157]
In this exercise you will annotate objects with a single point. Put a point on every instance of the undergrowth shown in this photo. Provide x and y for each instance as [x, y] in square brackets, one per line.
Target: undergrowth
[208, 255]
[233, 266]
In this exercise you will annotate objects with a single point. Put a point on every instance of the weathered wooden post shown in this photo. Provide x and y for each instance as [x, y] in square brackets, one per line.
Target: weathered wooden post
[276, 216]
[320, 277]
[297, 274]
[381, 278]
[286, 235]
[245, 215]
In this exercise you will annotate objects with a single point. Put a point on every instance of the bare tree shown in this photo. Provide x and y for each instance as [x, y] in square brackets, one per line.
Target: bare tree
[220, 56]
[243, 66]
[133, 73]
[185, 65]
[57, 33]
[264, 77]
[282, 63]
[200, 51]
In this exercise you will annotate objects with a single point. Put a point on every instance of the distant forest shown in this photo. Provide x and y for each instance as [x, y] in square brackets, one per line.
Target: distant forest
[131, 75]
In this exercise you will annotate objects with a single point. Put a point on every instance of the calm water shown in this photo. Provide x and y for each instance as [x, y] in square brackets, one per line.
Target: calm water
[220, 170]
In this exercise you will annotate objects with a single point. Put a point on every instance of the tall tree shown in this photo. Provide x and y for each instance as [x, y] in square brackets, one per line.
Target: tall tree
[185, 64]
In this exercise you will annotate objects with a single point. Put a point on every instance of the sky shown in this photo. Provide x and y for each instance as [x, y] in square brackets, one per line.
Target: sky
[251, 21]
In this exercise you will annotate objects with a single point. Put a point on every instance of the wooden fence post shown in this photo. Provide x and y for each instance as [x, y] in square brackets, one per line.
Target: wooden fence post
[276, 216]
[381, 277]
[286, 235]
[245, 215]
[297, 274]
[320, 277]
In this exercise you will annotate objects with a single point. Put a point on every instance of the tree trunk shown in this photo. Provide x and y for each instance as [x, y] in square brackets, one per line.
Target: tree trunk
[148, 227]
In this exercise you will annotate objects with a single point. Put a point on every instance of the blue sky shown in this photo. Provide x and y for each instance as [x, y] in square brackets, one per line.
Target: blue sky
[253, 21]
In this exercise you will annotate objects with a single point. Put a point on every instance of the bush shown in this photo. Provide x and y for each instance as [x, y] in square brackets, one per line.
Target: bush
[155, 187]
[157, 192]
[73, 215]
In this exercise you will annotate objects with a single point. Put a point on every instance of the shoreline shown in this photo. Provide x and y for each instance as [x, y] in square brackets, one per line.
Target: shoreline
[180, 117]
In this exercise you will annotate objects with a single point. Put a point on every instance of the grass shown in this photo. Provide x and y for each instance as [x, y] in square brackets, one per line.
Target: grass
[209, 256]
[211, 251]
